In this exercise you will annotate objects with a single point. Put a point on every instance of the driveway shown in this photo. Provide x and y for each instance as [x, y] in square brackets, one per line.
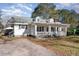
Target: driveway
[23, 47]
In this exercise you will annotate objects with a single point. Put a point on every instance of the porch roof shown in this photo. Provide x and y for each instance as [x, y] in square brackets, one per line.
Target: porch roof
[8, 28]
[53, 24]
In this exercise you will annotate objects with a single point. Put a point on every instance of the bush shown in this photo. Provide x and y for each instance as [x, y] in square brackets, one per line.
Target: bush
[77, 31]
[70, 31]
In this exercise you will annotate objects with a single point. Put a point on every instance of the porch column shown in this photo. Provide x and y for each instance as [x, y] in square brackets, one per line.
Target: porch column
[60, 32]
[65, 30]
[55, 30]
[60, 29]
[49, 30]
[35, 30]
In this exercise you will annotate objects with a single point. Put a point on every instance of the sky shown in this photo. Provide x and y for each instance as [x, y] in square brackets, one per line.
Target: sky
[26, 9]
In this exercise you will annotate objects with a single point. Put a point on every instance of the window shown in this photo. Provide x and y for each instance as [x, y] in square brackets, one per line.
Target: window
[37, 19]
[57, 29]
[33, 19]
[62, 29]
[26, 27]
[47, 29]
[52, 29]
[40, 29]
[22, 26]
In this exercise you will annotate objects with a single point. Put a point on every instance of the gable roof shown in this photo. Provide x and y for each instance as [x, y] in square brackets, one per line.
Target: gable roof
[21, 19]
[28, 20]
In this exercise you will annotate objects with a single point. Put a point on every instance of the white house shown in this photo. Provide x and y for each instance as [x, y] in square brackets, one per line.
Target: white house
[38, 27]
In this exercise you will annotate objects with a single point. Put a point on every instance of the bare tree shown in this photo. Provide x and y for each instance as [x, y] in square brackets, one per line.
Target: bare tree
[1, 25]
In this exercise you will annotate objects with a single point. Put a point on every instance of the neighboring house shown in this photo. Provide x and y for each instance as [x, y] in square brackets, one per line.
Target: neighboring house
[38, 27]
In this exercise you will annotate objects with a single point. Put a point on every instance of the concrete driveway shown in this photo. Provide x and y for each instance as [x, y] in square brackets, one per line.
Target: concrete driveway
[23, 47]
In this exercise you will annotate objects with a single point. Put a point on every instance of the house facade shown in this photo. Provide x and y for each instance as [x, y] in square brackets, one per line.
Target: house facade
[39, 27]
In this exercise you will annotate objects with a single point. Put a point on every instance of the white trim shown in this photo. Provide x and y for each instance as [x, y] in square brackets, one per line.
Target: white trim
[35, 30]
[9, 28]
[49, 30]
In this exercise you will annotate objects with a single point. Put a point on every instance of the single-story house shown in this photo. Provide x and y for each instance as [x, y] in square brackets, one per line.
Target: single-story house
[38, 27]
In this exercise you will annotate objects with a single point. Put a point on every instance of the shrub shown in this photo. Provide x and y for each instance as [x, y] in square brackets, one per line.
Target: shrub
[70, 31]
[77, 31]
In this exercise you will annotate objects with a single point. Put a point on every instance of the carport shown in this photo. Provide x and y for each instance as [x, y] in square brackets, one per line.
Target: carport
[8, 31]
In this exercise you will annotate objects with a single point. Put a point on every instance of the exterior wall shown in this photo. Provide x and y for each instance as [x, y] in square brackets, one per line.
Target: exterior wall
[56, 32]
[38, 21]
[32, 30]
[19, 32]
[61, 32]
[41, 33]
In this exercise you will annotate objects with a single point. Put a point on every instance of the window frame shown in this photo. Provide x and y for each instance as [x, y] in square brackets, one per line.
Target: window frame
[47, 29]
[40, 29]
[52, 29]
[22, 26]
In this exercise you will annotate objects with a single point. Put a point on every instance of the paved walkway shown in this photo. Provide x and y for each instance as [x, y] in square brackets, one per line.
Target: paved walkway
[23, 47]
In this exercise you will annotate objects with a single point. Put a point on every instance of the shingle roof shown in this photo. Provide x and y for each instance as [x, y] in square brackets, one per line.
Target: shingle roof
[20, 19]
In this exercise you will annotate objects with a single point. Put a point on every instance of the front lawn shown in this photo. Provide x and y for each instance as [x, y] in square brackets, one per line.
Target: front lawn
[61, 46]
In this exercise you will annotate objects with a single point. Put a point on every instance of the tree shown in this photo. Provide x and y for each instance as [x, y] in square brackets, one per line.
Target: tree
[69, 16]
[48, 10]
[43, 9]
[1, 25]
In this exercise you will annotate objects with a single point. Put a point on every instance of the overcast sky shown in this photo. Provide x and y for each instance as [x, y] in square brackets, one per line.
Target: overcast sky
[27, 9]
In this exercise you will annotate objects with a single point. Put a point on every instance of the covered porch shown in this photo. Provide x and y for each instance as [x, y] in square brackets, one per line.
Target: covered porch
[42, 30]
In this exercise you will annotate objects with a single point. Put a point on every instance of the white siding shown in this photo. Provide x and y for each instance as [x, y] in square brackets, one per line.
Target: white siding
[20, 32]
[32, 30]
